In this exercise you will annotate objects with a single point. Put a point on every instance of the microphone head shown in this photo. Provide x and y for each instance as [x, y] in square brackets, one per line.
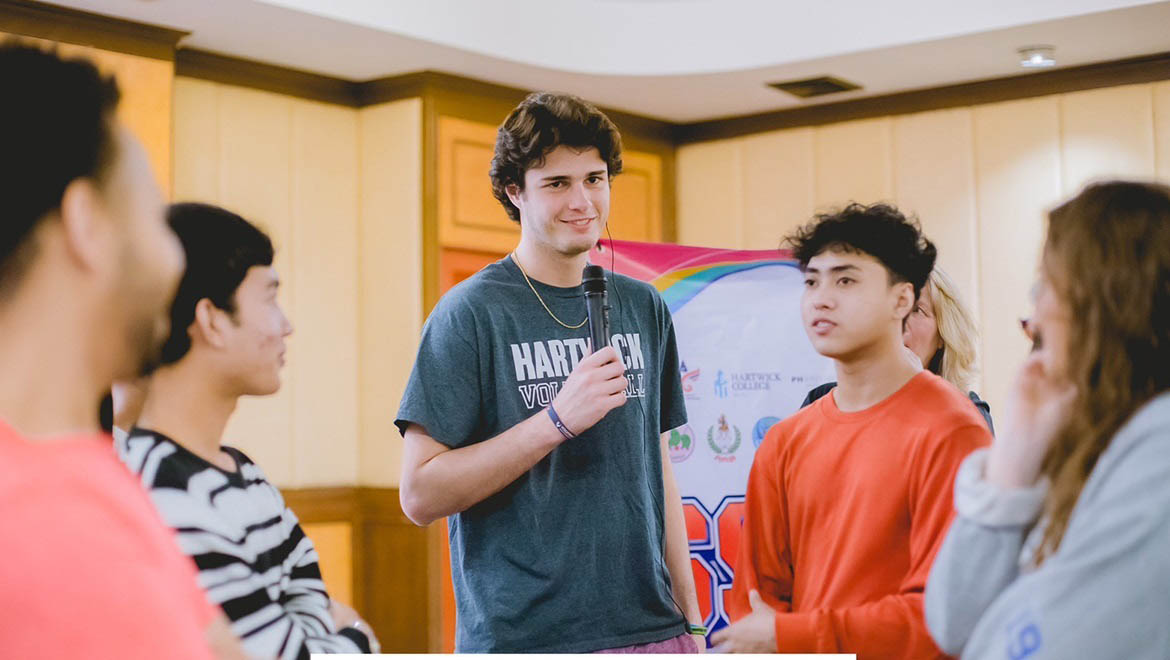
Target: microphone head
[593, 279]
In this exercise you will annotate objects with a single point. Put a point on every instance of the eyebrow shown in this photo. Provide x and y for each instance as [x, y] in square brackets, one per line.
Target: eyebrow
[565, 177]
[834, 269]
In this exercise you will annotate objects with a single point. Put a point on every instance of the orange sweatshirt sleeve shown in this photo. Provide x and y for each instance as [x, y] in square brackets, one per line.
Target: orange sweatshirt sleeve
[893, 626]
[764, 560]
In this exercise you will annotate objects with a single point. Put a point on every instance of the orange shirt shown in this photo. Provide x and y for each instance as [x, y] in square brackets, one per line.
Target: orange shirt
[88, 569]
[844, 514]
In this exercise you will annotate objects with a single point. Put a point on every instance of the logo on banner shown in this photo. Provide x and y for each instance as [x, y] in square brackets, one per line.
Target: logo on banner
[761, 429]
[754, 381]
[720, 385]
[724, 439]
[689, 380]
[681, 444]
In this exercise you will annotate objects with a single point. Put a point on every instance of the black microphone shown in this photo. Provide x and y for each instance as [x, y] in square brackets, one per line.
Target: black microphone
[596, 306]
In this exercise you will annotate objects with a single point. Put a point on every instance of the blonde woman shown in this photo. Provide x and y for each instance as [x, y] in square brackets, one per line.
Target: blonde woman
[1059, 548]
[942, 334]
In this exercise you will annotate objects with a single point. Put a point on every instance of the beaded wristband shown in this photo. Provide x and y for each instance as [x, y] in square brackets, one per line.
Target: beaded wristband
[556, 420]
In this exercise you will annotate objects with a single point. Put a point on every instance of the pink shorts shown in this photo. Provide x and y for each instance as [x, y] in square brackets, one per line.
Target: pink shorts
[684, 643]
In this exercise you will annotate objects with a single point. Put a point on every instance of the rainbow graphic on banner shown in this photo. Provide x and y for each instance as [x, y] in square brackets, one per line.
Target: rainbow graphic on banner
[745, 362]
[681, 272]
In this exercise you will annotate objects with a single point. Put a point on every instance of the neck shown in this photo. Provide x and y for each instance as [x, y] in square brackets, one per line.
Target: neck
[55, 368]
[184, 405]
[551, 268]
[872, 376]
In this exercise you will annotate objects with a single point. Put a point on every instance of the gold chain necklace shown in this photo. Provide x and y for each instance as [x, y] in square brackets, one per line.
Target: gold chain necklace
[542, 304]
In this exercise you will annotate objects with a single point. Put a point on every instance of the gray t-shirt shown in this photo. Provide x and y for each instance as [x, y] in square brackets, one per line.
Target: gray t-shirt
[569, 557]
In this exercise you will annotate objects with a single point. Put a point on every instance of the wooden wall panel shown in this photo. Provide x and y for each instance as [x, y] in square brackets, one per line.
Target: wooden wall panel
[469, 216]
[853, 163]
[1018, 178]
[710, 194]
[1162, 130]
[935, 179]
[390, 277]
[323, 355]
[397, 564]
[635, 207]
[779, 184]
[334, 544]
[1105, 134]
[361, 532]
[254, 180]
[196, 156]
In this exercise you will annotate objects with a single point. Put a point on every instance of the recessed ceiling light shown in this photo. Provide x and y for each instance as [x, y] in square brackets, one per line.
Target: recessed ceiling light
[1037, 57]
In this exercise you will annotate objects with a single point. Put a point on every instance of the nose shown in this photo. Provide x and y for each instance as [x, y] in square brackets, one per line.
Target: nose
[286, 327]
[819, 298]
[578, 198]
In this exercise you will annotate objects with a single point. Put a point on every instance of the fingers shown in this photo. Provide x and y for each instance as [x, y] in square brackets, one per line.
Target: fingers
[603, 356]
[756, 601]
[720, 637]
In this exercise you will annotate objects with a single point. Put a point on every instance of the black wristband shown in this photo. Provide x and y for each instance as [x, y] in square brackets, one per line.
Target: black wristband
[556, 420]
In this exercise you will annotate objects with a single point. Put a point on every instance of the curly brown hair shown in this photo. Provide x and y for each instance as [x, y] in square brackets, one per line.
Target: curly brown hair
[542, 122]
[1107, 257]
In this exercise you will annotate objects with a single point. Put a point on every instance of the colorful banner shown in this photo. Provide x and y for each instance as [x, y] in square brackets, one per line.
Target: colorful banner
[746, 364]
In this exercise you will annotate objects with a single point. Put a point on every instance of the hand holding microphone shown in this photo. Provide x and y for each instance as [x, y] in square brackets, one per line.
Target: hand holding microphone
[598, 383]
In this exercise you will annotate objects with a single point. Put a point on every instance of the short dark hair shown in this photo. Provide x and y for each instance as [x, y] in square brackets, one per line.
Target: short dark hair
[55, 127]
[220, 247]
[880, 230]
[542, 122]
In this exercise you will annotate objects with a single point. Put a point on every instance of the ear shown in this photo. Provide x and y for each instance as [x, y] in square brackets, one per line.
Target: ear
[904, 300]
[513, 192]
[209, 325]
[82, 214]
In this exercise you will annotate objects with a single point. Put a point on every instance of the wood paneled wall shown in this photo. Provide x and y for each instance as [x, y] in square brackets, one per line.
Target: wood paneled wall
[980, 179]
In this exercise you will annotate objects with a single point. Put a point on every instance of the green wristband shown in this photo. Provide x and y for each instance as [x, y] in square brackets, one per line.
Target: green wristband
[696, 630]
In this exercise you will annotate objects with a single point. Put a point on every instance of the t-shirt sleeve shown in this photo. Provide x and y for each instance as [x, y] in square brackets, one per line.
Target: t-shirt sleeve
[673, 406]
[443, 393]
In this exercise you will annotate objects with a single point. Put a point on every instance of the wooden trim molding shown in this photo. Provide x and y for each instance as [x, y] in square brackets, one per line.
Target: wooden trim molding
[205, 65]
[44, 21]
[1134, 70]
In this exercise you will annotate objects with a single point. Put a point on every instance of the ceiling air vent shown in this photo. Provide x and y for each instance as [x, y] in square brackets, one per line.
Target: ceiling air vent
[810, 87]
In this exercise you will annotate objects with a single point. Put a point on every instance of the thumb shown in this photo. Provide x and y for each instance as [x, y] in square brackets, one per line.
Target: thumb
[757, 601]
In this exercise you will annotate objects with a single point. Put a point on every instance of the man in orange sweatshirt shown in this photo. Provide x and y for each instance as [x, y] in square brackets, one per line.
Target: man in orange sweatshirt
[849, 499]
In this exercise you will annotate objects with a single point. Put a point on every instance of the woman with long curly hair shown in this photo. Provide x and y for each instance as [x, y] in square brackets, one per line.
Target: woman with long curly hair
[1061, 545]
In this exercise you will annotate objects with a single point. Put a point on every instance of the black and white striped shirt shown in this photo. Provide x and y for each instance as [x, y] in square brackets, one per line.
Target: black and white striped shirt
[254, 559]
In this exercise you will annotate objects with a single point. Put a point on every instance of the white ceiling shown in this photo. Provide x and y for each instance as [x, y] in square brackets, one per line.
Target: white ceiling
[679, 60]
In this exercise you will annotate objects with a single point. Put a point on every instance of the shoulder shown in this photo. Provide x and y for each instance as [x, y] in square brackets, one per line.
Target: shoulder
[788, 434]
[1142, 445]
[636, 290]
[251, 471]
[464, 303]
[157, 460]
[941, 404]
[486, 283]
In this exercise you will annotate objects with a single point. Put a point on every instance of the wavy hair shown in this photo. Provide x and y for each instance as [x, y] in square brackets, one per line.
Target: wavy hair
[542, 122]
[1107, 257]
[956, 360]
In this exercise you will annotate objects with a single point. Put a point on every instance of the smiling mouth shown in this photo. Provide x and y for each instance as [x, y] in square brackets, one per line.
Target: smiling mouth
[581, 222]
[822, 325]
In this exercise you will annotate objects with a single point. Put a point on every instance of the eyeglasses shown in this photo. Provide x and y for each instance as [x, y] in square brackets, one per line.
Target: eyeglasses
[1031, 332]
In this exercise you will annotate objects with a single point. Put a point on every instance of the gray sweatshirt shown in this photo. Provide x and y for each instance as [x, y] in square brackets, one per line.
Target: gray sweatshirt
[1104, 594]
